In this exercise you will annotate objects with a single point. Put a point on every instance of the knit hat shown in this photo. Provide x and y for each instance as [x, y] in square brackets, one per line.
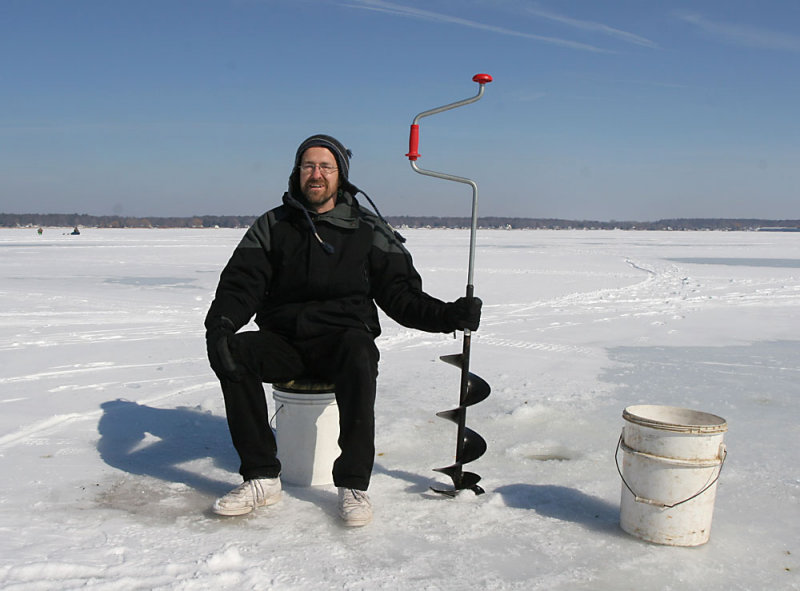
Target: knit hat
[342, 156]
[339, 152]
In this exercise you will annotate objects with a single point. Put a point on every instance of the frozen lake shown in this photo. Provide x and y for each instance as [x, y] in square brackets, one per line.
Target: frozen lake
[113, 441]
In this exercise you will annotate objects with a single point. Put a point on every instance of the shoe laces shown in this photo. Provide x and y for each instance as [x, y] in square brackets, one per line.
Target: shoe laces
[250, 489]
[355, 498]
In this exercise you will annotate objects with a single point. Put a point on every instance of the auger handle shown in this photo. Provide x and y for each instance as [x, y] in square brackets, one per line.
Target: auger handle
[413, 138]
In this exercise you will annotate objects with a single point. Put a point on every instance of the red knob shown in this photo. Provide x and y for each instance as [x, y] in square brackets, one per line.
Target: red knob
[482, 78]
[413, 143]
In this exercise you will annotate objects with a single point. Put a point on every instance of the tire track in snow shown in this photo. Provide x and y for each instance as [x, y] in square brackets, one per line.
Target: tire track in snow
[535, 346]
[589, 300]
[51, 424]
[667, 290]
[80, 335]
[81, 369]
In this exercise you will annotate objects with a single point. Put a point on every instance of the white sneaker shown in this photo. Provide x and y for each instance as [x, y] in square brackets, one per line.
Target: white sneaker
[258, 492]
[355, 508]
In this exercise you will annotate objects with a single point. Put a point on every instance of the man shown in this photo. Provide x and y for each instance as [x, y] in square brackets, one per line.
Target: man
[312, 271]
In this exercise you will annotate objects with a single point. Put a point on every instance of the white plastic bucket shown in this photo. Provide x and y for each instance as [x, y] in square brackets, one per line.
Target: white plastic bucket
[307, 430]
[671, 460]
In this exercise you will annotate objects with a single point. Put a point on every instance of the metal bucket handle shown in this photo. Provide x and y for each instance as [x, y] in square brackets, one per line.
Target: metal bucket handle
[273, 425]
[639, 499]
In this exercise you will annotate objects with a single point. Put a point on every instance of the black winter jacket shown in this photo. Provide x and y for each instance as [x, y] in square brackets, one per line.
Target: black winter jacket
[281, 273]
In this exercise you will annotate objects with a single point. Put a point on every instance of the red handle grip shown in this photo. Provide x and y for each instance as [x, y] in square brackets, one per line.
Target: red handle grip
[413, 143]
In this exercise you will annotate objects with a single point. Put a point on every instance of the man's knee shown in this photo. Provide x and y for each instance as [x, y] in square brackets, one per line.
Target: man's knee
[266, 354]
[359, 346]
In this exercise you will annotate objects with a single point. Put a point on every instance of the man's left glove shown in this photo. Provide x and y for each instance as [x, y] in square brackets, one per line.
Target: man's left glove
[464, 313]
[218, 349]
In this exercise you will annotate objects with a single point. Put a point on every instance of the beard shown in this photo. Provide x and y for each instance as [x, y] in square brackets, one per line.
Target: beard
[319, 192]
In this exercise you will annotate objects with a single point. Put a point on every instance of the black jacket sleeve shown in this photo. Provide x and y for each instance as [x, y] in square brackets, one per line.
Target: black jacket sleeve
[397, 286]
[245, 280]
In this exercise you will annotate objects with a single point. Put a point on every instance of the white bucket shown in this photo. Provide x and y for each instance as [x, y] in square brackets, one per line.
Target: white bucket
[307, 430]
[671, 460]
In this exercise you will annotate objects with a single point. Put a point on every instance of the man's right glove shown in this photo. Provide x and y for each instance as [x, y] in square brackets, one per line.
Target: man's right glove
[464, 313]
[218, 334]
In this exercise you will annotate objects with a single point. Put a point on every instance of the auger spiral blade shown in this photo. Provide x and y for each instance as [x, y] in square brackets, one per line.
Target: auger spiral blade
[473, 445]
[478, 389]
[466, 481]
[470, 445]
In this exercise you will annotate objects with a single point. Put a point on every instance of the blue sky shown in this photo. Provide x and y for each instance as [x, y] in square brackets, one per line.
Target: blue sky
[625, 110]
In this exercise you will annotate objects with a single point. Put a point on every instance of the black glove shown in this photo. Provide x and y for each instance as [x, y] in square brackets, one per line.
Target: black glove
[218, 350]
[464, 313]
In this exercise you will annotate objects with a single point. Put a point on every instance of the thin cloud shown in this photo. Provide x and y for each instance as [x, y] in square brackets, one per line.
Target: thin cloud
[529, 97]
[744, 35]
[428, 15]
[593, 26]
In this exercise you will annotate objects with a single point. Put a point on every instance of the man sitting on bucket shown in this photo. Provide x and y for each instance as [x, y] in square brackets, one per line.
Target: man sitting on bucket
[312, 271]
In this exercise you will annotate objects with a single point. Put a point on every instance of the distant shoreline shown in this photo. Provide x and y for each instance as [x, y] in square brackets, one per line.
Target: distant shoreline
[32, 220]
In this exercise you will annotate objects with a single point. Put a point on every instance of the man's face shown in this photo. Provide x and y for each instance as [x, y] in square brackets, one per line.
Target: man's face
[319, 178]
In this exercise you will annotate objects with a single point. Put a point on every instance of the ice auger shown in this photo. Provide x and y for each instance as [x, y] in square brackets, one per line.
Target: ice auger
[473, 389]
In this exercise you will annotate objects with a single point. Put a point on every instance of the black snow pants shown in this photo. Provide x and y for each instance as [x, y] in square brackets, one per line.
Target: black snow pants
[347, 358]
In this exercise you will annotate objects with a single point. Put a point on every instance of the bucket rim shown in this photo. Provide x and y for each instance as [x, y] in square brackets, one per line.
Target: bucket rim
[685, 420]
[304, 386]
[676, 462]
[309, 398]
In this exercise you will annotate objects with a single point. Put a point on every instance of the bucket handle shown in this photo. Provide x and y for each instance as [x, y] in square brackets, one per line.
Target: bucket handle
[639, 499]
[275, 414]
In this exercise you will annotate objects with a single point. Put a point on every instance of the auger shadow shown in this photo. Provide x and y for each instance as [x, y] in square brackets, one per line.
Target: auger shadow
[149, 441]
[566, 504]
[417, 482]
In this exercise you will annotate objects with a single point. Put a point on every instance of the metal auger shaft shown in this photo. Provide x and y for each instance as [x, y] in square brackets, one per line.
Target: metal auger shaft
[473, 389]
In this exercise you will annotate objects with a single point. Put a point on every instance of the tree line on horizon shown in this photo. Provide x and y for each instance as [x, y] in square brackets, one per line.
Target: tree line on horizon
[9, 220]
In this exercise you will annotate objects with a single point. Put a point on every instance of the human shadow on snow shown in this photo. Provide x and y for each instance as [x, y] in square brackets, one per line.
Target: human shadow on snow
[562, 503]
[154, 442]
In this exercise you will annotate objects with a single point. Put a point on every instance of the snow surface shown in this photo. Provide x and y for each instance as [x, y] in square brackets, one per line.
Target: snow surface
[113, 441]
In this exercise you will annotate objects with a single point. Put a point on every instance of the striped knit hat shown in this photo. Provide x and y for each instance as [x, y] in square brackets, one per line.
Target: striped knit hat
[339, 152]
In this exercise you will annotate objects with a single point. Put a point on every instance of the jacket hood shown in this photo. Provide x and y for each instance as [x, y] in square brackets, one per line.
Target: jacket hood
[344, 214]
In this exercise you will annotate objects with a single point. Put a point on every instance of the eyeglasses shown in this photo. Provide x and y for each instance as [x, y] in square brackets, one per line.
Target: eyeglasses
[324, 168]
